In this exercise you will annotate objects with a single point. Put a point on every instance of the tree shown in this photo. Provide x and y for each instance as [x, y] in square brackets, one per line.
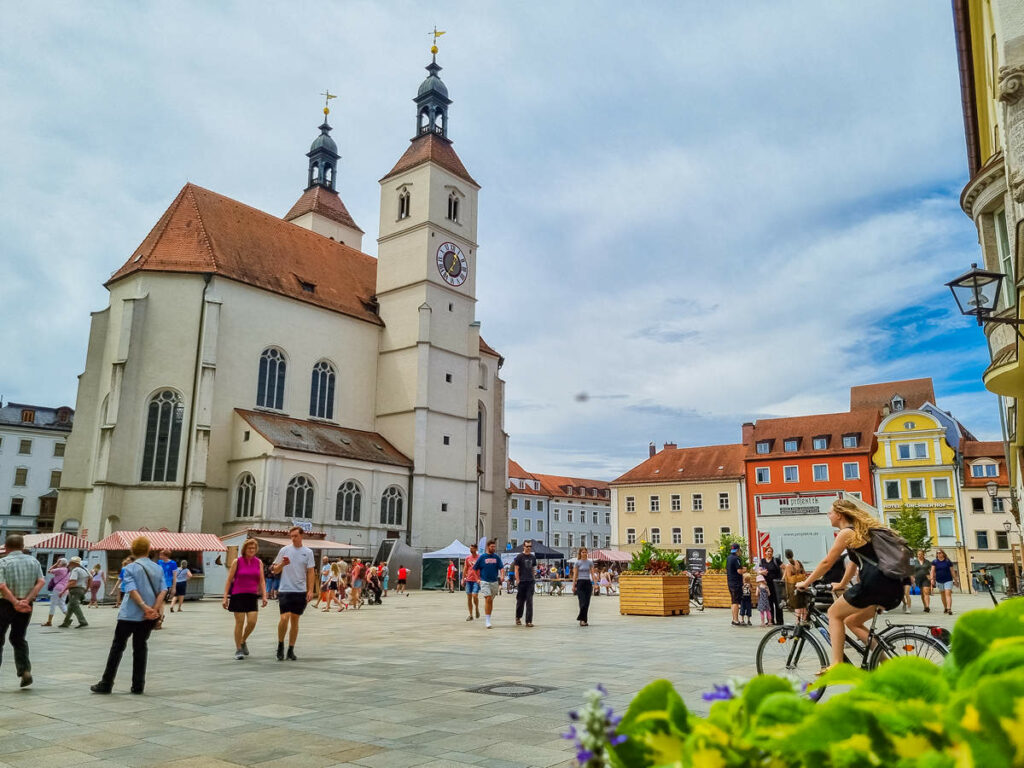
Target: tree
[911, 525]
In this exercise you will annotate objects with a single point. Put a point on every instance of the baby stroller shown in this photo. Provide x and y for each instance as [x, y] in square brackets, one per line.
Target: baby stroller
[373, 591]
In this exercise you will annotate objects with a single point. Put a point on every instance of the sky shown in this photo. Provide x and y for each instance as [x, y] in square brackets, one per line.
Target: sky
[693, 214]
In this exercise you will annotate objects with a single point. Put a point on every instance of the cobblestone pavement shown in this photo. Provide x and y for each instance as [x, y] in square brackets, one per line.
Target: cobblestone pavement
[384, 687]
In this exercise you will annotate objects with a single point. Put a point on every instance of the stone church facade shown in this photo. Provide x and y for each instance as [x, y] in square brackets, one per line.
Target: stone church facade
[252, 370]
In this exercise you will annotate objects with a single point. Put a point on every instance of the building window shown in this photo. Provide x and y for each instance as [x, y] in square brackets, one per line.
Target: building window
[851, 470]
[791, 445]
[25, 447]
[630, 536]
[854, 494]
[21, 476]
[820, 443]
[791, 474]
[764, 446]
[28, 416]
[723, 500]
[556, 514]
[16, 506]
[349, 502]
[58, 449]
[515, 523]
[298, 498]
[981, 539]
[916, 488]
[946, 528]
[655, 535]
[448, 378]
[1005, 258]
[527, 524]
[245, 496]
[940, 488]
[907, 451]
[892, 489]
[630, 504]
[483, 368]
[321, 391]
[998, 504]
[514, 542]
[556, 539]
[607, 518]
[725, 530]
[270, 386]
[446, 440]
[655, 503]
[526, 504]
[698, 535]
[977, 504]
[453, 207]
[163, 438]
[762, 475]
[55, 478]
[677, 535]
[697, 502]
[984, 470]
[820, 472]
[404, 199]
[850, 441]
[540, 505]
[597, 517]
[675, 502]
[515, 503]
[897, 403]
[391, 504]
[540, 526]
[569, 536]
[607, 541]
[1002, 540]
[568, 515]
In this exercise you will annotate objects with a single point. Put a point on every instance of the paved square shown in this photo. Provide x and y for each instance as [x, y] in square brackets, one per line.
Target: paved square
[383, 687]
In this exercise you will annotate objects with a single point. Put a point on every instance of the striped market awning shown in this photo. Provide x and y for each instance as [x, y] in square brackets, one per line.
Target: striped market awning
[62, 542]
[176, 542]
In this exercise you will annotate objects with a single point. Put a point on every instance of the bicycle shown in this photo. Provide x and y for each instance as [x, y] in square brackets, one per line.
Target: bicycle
[696, 590]
[801, 650]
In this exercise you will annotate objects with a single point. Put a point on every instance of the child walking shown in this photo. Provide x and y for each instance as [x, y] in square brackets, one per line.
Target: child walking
[746, 599]
[764, 603]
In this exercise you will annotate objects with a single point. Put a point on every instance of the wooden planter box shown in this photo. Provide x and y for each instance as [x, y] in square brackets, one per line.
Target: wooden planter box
[643, 595]
[716, 591]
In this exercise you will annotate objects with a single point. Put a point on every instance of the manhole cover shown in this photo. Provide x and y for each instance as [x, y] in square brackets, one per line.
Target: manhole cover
[512, 690]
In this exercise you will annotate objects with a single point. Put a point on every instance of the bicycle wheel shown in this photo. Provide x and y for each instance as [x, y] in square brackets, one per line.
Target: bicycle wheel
[791, 651]
[697, 595]
[908, 642]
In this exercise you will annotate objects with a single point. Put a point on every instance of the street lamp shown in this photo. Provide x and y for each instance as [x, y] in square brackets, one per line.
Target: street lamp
[976, 292]
[993, 488]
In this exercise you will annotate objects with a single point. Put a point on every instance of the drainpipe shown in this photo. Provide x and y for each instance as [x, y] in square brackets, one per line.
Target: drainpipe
[207, 276]
[408, 517]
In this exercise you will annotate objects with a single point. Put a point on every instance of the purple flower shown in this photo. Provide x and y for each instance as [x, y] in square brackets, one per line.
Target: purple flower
[602, 689]
[574, 715]
[584, 756]
[615, 739]
[720, 693]
[570, 734]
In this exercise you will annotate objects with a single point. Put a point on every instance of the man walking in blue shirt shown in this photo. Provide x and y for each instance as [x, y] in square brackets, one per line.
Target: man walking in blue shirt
[491, 571]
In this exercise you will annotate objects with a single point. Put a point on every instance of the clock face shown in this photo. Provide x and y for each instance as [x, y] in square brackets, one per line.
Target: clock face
[452, 264]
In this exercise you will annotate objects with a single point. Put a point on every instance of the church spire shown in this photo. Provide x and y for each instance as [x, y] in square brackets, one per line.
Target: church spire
[323, 153]
[432, 99]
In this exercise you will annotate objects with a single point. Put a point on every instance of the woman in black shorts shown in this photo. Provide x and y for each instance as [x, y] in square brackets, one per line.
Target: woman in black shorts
[246, 585]
[922, 577]
[874, 590]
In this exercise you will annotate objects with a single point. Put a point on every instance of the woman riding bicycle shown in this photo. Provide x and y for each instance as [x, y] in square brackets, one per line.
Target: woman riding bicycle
[874, 590]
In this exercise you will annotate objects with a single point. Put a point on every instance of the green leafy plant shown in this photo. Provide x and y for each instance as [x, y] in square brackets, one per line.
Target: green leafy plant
[908, 713]
[719, 555]
[650, 559]
[912, 526]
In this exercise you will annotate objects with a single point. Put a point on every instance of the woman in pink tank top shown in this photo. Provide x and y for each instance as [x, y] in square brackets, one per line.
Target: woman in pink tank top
[245, 586]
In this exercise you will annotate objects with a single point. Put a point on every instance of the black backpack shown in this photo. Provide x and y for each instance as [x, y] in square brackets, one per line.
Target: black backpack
[893, 554]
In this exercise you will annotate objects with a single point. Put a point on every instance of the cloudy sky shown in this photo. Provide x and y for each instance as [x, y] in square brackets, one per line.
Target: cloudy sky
[695, 213]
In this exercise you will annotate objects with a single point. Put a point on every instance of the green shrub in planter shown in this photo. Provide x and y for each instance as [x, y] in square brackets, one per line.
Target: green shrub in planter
[908, 713]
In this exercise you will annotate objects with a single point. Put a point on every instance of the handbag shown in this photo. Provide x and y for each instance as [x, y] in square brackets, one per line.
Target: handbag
[51, 583]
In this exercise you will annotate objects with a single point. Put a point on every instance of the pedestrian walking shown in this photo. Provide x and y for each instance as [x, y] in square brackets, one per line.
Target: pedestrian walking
[21, 578]
[95, 582]
[246, 586]
[325, 578]
[583, 585]
[384, 576]
[57, 585]
[764, 601]
[471, 580]
[942, 575]
[168, 566]
[793, 572]
[525, 567]
[181, 577]
[449, 578]
[330, 589]
[356, 579]
[78, 580]
[119, 586]
[490, 569]
[296, 565]
[922, 577]
[144, 592]
[734, 571]
[403, 575]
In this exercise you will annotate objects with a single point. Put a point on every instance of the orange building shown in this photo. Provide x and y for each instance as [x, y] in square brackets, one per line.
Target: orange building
[795, 468]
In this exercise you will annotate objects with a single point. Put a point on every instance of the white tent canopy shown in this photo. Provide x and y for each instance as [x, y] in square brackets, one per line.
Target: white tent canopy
[454, 551]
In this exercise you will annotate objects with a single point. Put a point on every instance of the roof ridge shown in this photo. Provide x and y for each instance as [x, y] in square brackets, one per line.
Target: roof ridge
[202, 224]
[161, 225]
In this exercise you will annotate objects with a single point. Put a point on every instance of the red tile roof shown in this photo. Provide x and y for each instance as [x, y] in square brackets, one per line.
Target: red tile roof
[325, 202]
[915, 393]
[433, 148]
[674, 465]
[516, 470]
[203, 232]
[555, 485]
[976, 449]
[805, 428]
[528, 491]
[487, 349]
[325, 439]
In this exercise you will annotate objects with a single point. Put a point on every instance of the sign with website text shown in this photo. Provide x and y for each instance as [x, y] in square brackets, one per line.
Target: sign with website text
[796, 504]
[696, 560]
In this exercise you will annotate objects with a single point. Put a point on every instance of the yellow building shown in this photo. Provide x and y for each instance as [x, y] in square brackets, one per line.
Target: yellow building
[916, 467]
[679, 498]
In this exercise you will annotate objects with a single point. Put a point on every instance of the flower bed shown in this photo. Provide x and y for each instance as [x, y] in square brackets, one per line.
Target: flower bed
[715, 590]
[654, 594]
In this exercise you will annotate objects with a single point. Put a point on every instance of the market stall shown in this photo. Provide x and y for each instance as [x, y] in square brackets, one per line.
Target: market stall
[205, 553]
[47, 548]
[435, 564]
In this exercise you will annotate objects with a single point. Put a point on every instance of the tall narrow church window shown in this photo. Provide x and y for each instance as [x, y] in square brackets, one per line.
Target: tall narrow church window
[245, 496]
[164, 416]
[481, 434]
[404, 199]
[391, 502]
[349, 502]
[321, 391]
[270, 388]
[453, 207]
[298, 499]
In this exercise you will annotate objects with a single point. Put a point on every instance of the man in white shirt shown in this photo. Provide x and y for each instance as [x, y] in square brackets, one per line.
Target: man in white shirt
[295, 564]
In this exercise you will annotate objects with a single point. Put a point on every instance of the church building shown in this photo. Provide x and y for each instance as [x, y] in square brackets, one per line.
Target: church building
[252, 371]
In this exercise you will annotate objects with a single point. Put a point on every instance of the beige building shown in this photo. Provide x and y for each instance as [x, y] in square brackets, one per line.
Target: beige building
[680, 497]
[989, 529]
[259, 370]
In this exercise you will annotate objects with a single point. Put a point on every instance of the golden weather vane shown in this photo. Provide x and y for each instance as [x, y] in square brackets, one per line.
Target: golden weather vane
[435, 34]
[327, 98]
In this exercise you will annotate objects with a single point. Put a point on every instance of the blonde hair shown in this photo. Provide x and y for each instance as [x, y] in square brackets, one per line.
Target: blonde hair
[861, 521]
[255, 547]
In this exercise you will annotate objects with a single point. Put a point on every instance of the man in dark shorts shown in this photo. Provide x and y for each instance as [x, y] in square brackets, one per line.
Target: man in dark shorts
[734, 571]
[403, 574]
[295, 563]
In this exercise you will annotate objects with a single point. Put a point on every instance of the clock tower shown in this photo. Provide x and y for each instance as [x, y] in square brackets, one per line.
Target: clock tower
[429, 365]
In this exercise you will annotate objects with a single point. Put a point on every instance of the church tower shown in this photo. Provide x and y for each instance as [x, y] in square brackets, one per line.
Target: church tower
[320, 208]
[430, 376]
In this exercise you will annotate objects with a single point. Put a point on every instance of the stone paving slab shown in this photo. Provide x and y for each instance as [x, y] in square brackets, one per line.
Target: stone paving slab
[383, 687]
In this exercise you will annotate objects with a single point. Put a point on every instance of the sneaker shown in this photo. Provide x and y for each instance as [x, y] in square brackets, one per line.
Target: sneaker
[469, 618]
[81, 626]
[927, 610]
[291, 654]
[906, 609]
[519, 622]
[100, 688]
[245, 649]
[239, 655]
[26, 680]
[487, 621]
[280, 652]
[136, 691]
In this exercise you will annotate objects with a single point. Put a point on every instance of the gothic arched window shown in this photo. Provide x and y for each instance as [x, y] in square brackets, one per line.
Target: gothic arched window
[245, 496]
[391, 502]
[270, 387]
[321, 391]
[164, 416]
[404, 199]
[453, 207]
[298, 499]
[349, 502]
